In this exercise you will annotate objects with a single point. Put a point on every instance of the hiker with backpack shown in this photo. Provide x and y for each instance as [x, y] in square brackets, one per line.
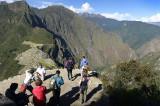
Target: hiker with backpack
[39, 97]
[83, 87]
[28, 80]
[83, 62]
[57, 82]
[40, 72]
[69, 65]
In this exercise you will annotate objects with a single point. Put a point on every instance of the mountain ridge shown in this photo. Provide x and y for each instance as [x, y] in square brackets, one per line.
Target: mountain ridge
[73, 28]
[21, 24]
[71, 36]
[134, 33]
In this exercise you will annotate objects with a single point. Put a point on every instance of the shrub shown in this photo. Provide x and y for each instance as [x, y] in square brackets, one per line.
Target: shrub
[133, 84]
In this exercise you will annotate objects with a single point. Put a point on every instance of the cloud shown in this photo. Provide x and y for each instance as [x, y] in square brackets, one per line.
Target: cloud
[60, 4]
[42, 6]
[8, 1]
[117, 16]
[45, 4]
[154, 18]
[85, 8]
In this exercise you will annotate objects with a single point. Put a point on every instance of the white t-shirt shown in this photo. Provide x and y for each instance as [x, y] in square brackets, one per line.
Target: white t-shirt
[41, 71]
[29, 76]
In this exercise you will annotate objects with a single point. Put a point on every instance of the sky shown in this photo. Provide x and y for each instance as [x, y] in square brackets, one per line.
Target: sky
[137, 10]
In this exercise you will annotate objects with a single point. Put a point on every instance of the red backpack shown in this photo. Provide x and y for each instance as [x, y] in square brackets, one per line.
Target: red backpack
[23, 88]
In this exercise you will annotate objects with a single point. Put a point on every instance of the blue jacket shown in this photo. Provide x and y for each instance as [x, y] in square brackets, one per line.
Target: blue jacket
[59, 81]
[84, 61]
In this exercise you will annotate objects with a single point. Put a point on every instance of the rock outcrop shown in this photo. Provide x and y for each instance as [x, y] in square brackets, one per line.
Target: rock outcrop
[4, 101]
[32, 57]
[69, 91]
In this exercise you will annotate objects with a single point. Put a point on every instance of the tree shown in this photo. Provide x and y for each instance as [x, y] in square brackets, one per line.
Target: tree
[133, 84]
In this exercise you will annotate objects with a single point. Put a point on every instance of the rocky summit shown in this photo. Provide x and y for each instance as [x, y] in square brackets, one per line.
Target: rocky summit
[69, 91]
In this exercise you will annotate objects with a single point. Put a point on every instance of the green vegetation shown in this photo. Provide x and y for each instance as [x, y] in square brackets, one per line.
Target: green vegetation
[152, 59]
[68, 34]
[22, 48]
[79, 37]
[41, 36]
[132, 85]
[106, 69]
[16, 27]
[99, 69]
[46, 65]
[18, 23]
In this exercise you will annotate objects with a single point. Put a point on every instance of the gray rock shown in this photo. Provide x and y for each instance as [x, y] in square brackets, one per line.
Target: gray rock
[4, 101]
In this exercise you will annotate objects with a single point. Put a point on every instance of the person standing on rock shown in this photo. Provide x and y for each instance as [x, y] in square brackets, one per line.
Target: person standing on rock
[39, 97]
[28, 79]
[59, 82]
[69, 65]
[40, 72]
[83, 84]
[84, 61]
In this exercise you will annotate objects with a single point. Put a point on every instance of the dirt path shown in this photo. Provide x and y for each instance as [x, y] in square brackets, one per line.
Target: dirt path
[69, 91]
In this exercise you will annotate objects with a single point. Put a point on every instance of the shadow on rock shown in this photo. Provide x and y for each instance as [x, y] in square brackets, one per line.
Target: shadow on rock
[67, 99]
[52, 102]
[75, 76]
[93, 74]
[94, 91]
[103, 101]
[48, 91]
[48, 76]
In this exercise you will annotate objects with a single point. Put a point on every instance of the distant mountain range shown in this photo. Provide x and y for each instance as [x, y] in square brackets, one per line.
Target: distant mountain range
[69, 33]
[144, 38]
[61, 33]
[136, 34]
[155, 23]
[3, 3]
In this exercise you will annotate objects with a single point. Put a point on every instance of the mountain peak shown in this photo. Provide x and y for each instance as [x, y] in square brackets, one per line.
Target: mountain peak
[18, 6]
[91, 15]
[3, 3]
[59, 9]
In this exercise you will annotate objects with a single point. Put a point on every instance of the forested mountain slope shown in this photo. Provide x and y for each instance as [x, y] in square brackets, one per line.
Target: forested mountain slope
[134, 33]
[84, 37]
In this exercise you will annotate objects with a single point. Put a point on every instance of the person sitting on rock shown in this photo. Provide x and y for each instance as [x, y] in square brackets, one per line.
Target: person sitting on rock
[20, 99]
[40, 72]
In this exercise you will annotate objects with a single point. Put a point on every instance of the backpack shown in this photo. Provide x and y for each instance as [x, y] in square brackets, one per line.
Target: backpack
[85, 70]
[53, 84]
[84, 83]
[23, 88]
[85, 67]
[69, 65]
